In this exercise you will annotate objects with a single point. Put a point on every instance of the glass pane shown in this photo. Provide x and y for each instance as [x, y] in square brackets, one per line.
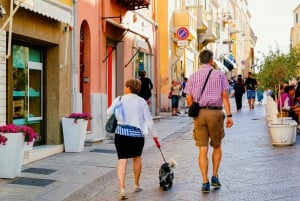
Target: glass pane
[35, 55]
[34, 93]
[19, 56]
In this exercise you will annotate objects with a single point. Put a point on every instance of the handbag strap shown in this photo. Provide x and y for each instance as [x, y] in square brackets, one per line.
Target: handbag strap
[119, 103]
[206, 82]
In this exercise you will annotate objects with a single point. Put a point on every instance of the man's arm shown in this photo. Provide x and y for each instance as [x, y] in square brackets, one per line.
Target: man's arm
[226, 103]
[189, 100]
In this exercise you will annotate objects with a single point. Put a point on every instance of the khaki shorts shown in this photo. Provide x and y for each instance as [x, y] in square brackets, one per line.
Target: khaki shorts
[209, 128]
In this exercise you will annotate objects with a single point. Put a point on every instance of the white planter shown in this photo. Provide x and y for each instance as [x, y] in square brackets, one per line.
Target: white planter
[283, 134]
[74, 134]
[11, 155]
[28, 146]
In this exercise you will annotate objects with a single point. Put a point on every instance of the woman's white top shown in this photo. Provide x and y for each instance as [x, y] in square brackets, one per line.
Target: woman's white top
[133, 110]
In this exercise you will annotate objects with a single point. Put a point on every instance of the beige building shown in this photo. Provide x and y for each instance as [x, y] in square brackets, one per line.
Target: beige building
[35, 64]
[188, 26]
[295, 30]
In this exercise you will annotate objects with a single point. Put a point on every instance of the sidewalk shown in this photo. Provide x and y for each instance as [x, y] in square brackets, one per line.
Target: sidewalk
[56, 177]
[251, 168]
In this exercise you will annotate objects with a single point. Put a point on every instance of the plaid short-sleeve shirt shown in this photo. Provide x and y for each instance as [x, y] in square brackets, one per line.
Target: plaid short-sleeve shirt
[216, 84]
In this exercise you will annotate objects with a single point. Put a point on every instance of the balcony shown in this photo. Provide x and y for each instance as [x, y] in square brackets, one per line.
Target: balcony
[184, 18]
[133, 4]
[210, 36]
[201, 17]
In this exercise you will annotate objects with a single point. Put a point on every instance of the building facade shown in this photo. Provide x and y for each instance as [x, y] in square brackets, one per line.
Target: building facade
[35, 66]
[59, 57]
[295, 30]
[188, 26]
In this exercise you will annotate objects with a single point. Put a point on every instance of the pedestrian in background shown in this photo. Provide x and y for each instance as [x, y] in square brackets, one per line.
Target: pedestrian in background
[175, 95]
[209, 125]
[239, 90]
[251, 85]
[146, 87]
[134, 122]
[183, 95]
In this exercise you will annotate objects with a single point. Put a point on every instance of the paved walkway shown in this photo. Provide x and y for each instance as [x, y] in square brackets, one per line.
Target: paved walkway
[251, 168]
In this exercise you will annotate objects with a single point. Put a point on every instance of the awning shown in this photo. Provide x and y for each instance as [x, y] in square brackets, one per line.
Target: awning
[118, 31]
[125, 28]
[223, 68]
[228, 63]
[52, 9]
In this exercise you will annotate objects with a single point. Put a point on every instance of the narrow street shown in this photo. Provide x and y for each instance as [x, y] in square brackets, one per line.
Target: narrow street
[251, 168]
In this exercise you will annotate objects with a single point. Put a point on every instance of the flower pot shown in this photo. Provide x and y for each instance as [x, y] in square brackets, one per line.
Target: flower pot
[283, 134]
[74, 134]
[11, 155]
[28, 146]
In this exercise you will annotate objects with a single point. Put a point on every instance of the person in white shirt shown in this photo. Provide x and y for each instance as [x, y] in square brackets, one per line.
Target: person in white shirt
[134, 123]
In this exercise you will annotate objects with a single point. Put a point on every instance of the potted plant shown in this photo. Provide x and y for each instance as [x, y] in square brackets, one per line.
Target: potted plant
[74, 131]
[12, 138]
[279, 68]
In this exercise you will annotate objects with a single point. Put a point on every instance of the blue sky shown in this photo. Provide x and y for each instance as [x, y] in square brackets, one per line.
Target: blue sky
[271, 21]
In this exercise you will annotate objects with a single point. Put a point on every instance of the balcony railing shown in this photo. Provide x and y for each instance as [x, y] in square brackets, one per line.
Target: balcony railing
[133, 4]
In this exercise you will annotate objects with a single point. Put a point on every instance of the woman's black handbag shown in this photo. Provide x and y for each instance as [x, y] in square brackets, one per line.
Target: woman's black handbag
[194, 108]
[111, 124]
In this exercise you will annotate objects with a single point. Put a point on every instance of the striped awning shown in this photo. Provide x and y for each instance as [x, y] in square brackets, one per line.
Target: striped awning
[49, 8]
[228, 63]
[223, 68]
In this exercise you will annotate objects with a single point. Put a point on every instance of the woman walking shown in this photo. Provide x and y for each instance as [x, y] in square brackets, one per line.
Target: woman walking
[134, 122]
[175, 92]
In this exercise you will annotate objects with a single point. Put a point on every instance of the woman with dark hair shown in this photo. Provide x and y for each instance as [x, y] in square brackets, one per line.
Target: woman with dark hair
[146, 87]
[134, 122]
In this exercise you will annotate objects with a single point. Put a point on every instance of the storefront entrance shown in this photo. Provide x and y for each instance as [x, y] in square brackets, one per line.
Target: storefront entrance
[27, 88]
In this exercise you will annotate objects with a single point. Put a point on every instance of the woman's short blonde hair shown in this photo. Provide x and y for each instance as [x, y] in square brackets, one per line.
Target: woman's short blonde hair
[134, 85]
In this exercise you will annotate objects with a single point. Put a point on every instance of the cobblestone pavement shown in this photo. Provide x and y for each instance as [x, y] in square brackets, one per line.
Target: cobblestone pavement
[251, 168]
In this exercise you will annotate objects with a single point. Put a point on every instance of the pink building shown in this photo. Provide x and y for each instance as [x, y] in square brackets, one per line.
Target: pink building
[113, 41]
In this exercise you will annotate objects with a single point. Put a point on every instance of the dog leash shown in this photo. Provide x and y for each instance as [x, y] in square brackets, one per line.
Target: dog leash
[158, 146]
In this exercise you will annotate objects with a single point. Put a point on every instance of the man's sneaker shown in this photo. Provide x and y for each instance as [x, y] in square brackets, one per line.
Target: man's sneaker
[215, 182]
[205, 187]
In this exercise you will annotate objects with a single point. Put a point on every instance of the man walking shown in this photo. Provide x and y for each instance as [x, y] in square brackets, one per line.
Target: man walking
[251, 85]
[209, 125]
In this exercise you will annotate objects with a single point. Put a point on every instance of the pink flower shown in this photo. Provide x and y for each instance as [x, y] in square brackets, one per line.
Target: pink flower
[27, 131]
[76, 116]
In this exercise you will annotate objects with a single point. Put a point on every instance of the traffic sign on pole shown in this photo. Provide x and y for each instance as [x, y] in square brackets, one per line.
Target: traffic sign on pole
[182, 33]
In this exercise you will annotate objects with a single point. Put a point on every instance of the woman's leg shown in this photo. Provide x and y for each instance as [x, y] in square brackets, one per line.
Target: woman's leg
[121, 171]
[137, 168]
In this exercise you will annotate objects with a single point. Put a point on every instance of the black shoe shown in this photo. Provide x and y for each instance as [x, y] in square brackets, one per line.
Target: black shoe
[206, 187]
[215, 182]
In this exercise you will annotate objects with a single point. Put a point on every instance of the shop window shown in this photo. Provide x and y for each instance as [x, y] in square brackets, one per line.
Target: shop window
[27, 88]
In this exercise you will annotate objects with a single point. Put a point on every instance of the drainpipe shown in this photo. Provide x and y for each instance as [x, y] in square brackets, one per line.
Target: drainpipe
[74, 57]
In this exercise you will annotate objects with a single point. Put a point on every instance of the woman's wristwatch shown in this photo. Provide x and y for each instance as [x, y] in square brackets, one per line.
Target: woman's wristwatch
[230, 115]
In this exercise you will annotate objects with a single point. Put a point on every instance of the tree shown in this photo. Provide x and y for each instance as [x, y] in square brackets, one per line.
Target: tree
[279, 68]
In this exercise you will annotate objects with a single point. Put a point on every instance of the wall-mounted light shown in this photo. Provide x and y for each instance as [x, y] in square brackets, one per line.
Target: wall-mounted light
[2, 11]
